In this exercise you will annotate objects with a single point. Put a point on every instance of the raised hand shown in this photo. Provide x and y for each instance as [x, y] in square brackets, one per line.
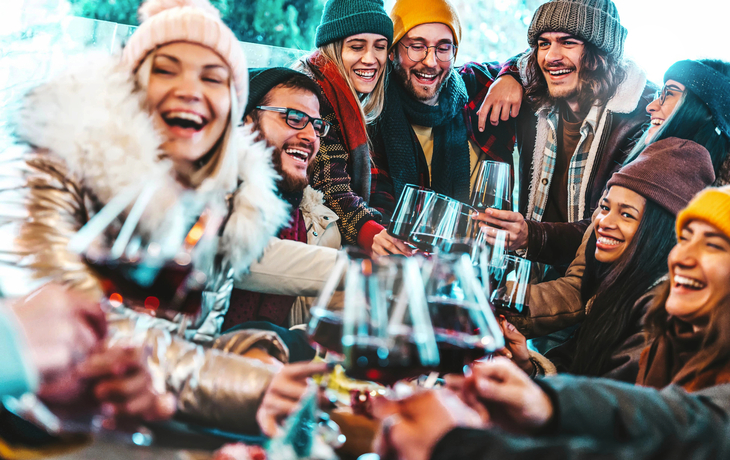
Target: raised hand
[502, 102]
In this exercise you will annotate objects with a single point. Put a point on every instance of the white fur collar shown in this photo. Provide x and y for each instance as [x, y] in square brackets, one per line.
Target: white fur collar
[92, 117]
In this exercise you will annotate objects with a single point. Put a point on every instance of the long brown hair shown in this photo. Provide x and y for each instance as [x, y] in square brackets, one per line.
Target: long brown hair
[716, 343]
[599, 77]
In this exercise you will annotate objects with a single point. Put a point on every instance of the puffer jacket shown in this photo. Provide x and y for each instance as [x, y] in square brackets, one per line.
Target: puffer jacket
[84, 137]
[620, 124]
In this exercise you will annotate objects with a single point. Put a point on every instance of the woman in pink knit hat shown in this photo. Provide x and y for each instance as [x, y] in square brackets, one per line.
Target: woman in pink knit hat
[177, 94]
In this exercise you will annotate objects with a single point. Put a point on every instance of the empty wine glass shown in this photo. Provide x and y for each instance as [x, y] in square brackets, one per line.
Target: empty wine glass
[411, 204]
[387, 334]
[463, 322]
[492, 188]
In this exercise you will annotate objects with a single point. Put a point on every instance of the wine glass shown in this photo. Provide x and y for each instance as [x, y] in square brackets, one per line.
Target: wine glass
[509, 279]
[436, 224]
[492, 187]
[387, 334]
[154, 251]
[325, 325]
[462, 318]
[412, 202]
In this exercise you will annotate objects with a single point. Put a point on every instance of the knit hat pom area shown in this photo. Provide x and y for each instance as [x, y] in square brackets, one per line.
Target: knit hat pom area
[152, 7]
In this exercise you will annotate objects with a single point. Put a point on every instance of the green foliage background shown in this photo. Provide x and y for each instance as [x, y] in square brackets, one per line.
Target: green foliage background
[286, 23]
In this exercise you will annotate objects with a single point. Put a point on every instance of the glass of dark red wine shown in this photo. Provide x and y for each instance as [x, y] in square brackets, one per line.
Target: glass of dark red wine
[153, 249]
[325, 325]
[492, 188]
[411, 204]
[464, 326]
[387, 334]
[509, 279]
[437, 223]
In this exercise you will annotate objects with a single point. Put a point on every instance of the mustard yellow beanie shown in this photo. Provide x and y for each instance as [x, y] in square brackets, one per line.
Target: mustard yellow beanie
[712, 205]
[407, 14]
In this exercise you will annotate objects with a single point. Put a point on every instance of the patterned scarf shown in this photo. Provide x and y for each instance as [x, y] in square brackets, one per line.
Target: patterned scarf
[450, 161]
[352, 126]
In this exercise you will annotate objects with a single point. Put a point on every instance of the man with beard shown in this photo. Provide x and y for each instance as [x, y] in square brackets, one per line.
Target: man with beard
[428, 134]
[283, 106]
[587, 107]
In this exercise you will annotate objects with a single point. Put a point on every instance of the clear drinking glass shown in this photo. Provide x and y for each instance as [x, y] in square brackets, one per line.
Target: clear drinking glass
[509, 279]
[153, 248]
[387, 333]
[463, 322]
[411, 204]
[492, 188]
[436, 224]
[325, 325]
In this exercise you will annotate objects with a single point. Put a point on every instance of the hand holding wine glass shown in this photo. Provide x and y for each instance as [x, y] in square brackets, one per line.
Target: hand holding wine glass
[512, 222]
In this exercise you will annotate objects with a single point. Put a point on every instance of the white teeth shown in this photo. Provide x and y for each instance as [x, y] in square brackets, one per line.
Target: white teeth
[185, 116]
[365, 73]
[657, 121]
[559, 72]
[688, 282]
[298, 154]
[425, 75]
[608, 241]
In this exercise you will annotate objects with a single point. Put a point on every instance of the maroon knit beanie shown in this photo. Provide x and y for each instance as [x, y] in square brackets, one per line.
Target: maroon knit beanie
[668, 172]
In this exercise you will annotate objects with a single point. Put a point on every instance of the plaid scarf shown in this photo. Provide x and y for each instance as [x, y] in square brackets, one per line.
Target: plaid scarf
[347, 110]
[576, 169]
[450, 161]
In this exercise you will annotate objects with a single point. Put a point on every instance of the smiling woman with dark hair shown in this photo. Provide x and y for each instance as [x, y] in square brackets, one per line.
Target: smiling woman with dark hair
[622, 259]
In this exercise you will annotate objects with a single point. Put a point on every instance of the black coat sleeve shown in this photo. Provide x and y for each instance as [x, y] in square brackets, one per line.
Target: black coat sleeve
[603, 419]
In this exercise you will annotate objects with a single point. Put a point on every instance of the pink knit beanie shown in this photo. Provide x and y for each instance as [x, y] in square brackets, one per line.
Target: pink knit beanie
[193, 21]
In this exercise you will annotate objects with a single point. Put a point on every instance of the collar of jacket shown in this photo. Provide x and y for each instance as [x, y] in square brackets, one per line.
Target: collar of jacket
[92, 116]
[627, 97]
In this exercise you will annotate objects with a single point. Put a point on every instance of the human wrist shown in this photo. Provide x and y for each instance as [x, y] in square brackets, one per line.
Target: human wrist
[367, 234]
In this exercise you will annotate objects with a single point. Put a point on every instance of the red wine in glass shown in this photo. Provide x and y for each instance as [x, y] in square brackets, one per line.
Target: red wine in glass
[327, 330]
[382, 364]
[426, 243]
[171, 288]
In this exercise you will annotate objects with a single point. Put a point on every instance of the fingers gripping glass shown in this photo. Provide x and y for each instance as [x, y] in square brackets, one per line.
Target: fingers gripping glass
[299, 120]
[417, 52]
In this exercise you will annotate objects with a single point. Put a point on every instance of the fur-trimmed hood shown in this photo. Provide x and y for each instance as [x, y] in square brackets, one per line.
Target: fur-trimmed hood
[93, 118]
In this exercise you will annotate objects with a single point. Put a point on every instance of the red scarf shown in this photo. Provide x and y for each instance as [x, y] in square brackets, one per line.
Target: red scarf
[343, 102]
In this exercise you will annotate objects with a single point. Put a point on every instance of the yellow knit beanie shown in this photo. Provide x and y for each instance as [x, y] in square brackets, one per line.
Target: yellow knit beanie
[407, 14]
[712, 205]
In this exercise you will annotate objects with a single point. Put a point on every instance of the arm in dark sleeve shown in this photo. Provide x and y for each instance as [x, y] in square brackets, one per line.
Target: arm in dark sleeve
[554, 243]
[602, 419]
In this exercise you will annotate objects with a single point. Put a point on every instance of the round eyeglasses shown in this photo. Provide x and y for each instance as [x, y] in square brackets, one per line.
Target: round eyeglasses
[417, 52]
[662, 93]
[299, 120]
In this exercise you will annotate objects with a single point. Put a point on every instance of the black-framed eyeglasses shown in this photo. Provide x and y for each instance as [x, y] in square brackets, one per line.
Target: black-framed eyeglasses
[299, 120]
[417, 52]
[662, 93]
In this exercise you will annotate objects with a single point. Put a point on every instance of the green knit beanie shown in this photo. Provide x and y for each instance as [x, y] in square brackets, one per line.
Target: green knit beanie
[343, 18]
[595, 21]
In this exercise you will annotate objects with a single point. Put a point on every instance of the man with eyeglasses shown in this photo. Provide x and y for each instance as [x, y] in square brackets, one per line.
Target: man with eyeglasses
[427, 134]
[283, 111]
[586, 107]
